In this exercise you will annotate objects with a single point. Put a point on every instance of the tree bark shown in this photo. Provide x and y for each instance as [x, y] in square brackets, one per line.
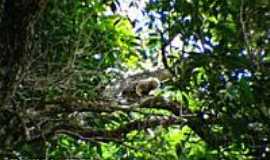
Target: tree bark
[17, 19]
[16, 32]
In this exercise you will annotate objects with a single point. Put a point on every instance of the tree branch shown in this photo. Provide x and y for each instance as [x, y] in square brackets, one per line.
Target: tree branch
[180, 115]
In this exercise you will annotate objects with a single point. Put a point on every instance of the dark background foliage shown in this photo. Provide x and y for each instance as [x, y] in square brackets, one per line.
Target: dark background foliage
[57, 58]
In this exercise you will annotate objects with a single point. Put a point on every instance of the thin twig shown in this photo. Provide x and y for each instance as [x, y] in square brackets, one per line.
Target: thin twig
[243, 26]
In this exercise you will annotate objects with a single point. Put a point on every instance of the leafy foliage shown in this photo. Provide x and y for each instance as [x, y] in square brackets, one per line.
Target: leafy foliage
[215, 105]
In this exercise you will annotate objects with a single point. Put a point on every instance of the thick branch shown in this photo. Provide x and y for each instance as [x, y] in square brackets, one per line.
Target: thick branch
[193, 120]
[104, 135]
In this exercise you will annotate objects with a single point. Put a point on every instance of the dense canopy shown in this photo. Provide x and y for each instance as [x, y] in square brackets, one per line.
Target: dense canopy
[135, 79]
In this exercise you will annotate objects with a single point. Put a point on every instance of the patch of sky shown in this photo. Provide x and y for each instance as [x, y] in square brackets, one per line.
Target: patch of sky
[241, 73]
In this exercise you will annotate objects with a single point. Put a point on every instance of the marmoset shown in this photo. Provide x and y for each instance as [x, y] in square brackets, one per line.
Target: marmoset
[145, 86]
[140, 88]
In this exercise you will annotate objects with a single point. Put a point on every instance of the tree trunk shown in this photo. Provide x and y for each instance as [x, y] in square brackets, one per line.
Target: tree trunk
[17, 19]
[16, 31]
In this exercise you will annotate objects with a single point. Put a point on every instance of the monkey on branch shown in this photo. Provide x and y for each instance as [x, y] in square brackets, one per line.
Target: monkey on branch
[139, 86]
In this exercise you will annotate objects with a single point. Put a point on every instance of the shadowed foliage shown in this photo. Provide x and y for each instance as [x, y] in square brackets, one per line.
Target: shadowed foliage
[65, 65]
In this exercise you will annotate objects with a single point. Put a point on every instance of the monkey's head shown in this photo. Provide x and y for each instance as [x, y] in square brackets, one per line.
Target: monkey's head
[144, 87]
